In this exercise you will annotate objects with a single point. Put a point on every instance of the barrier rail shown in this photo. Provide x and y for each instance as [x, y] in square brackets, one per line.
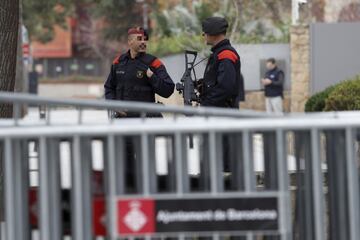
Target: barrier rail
[224, 198]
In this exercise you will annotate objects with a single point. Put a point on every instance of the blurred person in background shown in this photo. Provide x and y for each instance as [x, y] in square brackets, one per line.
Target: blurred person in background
[273, 82]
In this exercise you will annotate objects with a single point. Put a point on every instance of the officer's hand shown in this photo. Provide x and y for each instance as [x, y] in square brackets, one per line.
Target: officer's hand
[120, 114]
[200, 86]
[149, 73]
[266, 81]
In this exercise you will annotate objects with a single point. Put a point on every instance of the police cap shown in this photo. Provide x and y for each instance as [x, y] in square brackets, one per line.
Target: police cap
[214, 25]
[138, 30]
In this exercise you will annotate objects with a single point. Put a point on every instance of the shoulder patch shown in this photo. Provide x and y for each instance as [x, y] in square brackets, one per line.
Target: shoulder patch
[156, 63]
[116, 60]
[227, 54]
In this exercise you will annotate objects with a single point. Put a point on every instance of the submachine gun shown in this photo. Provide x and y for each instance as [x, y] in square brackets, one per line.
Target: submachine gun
[188, 87]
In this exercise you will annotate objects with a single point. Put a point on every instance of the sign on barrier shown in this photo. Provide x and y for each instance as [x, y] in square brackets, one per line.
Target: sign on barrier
[148, 216]
[99, 216]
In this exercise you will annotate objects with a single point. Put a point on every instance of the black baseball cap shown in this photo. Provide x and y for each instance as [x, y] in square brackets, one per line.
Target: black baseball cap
[214, 25]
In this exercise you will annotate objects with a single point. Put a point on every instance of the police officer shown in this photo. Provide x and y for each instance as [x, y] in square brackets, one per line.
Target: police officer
[223, 84]
[136, 75]
[273, 82]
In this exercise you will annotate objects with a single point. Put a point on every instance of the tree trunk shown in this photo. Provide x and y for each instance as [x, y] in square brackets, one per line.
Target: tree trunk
[9, 20]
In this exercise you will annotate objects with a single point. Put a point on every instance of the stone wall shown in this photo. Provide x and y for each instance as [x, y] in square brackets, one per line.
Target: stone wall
[300, 67]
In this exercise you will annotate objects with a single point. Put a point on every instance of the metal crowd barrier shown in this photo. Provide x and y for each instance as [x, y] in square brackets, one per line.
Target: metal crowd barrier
[224, 198]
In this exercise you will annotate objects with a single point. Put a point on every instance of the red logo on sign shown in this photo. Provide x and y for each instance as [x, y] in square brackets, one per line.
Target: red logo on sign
[136, 216]
[33, 207]
[99, 219]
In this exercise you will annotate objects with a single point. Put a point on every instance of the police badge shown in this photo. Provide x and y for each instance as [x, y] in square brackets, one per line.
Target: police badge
[139, 74]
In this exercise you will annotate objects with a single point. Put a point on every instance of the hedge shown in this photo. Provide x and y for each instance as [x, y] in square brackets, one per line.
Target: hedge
[344, 96]
[317, 102]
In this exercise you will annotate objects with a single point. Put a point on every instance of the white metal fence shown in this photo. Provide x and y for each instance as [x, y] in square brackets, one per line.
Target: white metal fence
[324, 205]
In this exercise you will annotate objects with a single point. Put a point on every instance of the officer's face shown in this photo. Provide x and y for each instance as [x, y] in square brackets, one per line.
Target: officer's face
[270, 65]
[137, 42]
[208, 39]
[211, 39]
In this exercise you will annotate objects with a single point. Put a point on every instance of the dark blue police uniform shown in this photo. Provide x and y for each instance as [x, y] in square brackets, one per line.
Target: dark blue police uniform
[275, 89]
[223, 81]
[128, 81]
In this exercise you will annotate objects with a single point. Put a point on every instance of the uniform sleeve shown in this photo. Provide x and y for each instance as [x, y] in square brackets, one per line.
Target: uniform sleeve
[110, 85]
[279, 80]
[226, 80]
[160, 80]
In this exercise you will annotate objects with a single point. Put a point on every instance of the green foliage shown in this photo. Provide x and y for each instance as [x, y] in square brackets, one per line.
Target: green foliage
[164, 46]
[317, 102]
[40, 17]
[285, 29]
[119, 16]
[174, 44]
[345, 97]
[163, 28]
[177, 27]
[204, 10]
[181, 19]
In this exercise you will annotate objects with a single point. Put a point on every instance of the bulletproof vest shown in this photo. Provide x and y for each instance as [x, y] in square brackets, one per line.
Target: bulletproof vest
[210, 77]
[132, 83]
[273, 90]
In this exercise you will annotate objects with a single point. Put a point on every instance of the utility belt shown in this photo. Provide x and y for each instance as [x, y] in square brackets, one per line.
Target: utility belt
[130, 114]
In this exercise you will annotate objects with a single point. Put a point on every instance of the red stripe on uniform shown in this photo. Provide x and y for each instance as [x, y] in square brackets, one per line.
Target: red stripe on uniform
[116, 60]
[227, 54]
[156, 63]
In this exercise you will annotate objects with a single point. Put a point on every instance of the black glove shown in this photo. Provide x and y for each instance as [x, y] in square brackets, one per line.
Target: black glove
[119, 114]
[142, 66]
[199, 85]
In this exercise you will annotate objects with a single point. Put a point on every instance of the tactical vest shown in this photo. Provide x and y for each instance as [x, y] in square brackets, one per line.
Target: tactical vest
[132, 83]
[273, 90]
[210, 78]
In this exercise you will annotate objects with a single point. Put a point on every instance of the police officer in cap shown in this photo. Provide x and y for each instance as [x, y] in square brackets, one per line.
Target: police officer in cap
[223, 84]
[137, 76]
